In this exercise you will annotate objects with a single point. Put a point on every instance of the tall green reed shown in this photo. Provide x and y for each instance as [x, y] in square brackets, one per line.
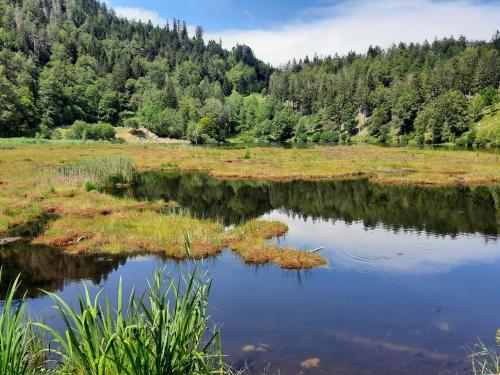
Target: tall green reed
[164, 331]
[20, 346]
[484, 359]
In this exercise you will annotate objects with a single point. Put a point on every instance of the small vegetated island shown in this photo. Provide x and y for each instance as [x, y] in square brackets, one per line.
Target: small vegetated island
[89, 99]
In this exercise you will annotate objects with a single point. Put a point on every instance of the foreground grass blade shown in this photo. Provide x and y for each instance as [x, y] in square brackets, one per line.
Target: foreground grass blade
[20, 347]
[165, 331]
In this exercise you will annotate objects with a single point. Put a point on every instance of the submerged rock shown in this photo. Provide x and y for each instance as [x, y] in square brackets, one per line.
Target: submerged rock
[249, 348]
[310, 363]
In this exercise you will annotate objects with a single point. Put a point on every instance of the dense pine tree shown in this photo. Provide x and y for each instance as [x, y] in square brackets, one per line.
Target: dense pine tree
[63, 61]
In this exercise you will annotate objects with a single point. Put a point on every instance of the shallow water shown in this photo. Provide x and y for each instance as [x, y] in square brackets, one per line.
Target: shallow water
[412, 277]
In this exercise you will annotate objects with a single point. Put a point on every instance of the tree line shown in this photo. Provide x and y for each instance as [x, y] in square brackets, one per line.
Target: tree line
[67, 61]
[428, 92]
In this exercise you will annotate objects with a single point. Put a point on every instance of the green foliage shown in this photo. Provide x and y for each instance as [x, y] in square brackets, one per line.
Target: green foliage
[444, 119]
[476, 106]
[20, 349]
[80, 62]
[283, 123]
[216, 119]
[390, 89]
[89, 186]
[100, 131]
[241, 77]
[164, 331]
[17, 110]
[330, 136]
[316, 137]
[488, 129]
[491, 96]
[195, 133]
[378, 121]
[108, 108]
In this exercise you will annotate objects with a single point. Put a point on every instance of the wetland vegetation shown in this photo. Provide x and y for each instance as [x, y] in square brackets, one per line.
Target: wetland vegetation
[350, 257]
[87, 217]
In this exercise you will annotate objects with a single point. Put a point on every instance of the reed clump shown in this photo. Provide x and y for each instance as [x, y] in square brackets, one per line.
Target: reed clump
[95, 171]
[20, 346]
[164, 331]
[485, 360]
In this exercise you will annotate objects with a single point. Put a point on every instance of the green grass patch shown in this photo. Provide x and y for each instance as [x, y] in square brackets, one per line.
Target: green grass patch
[98, 171]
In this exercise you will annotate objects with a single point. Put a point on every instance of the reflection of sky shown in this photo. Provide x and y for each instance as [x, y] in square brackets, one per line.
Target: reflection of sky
[353, 247]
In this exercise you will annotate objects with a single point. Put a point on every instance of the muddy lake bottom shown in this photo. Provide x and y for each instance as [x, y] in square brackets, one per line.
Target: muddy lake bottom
[411, 281]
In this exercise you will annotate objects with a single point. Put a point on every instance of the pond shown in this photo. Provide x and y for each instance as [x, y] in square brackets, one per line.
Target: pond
[412, 276]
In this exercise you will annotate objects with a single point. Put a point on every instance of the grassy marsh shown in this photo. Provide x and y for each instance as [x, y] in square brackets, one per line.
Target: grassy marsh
[381, 164]
[70, 217]
[49, 179]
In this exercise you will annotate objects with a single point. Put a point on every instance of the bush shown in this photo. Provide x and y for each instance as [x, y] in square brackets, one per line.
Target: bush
[467, 139]
[491, 96]
[195, 133]
[345, 138]
[330, 136]
[488, 135]
[44, 132]
[301, 138]
[131, 122]
[262, 130]
[77, 130]
[100, 131]
[89, 186]
[316, 137]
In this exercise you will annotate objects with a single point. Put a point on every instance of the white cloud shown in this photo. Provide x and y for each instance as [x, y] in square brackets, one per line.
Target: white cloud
[145, 15]
[355, 25]
[139, 14]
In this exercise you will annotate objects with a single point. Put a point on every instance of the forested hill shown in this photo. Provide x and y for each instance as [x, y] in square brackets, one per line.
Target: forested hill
[421, 92]
[65, 62]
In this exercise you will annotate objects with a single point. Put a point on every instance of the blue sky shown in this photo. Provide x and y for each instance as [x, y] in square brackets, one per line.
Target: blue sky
[279, 30]
[215, 15]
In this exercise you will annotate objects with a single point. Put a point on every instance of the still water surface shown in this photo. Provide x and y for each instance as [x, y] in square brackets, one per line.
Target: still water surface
[413, 275]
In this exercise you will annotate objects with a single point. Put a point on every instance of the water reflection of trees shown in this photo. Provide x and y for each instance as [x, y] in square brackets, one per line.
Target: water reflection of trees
[48, 268]
[443, 210]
